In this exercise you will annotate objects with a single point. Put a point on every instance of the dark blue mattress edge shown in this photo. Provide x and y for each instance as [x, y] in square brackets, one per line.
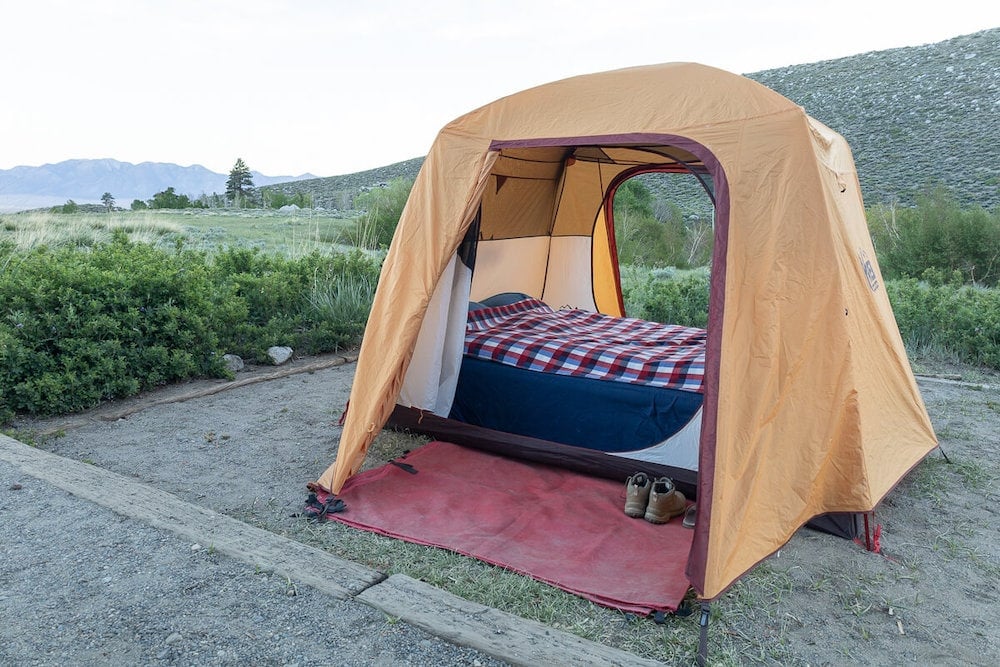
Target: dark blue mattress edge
[596, 414]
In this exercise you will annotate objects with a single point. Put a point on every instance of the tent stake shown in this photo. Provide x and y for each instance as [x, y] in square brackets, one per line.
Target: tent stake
[703, 637]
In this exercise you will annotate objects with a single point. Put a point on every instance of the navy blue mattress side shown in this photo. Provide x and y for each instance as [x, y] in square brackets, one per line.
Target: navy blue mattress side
[596, 414]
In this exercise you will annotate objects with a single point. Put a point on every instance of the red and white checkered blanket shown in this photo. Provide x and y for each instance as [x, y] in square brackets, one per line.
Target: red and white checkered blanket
[528, 334]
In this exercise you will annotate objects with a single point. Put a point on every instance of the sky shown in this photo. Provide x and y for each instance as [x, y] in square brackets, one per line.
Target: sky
[331, 87]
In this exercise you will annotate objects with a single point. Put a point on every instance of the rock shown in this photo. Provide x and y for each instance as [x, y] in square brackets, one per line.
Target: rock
[233, 362]
[279, 354]
[288, 208]
[173, 638]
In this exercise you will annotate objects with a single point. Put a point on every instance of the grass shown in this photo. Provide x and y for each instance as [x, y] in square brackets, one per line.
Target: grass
[292, 234]
[347, 298]
[31, 230]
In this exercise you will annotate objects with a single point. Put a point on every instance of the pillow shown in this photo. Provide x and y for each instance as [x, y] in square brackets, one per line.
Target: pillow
[504, 299]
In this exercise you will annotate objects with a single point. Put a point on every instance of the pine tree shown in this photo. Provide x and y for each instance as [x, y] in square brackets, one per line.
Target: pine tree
[239, 185]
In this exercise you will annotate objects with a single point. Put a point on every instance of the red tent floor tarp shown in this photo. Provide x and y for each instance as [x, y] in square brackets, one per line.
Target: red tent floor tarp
[554, 525]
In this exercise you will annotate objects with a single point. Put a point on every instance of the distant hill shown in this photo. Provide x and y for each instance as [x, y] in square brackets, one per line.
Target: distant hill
[914, 117]
[84, 181]
[338, 192]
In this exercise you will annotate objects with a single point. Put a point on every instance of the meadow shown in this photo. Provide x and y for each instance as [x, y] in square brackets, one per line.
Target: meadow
[292, 234]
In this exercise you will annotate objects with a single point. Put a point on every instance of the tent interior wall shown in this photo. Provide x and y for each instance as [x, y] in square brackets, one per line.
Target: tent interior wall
[535, 209]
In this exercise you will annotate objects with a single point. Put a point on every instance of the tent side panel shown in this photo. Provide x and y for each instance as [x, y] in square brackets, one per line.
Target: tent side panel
[568, 284]
[418, 255]
[510, 265]
[437, 356]
[607, 280]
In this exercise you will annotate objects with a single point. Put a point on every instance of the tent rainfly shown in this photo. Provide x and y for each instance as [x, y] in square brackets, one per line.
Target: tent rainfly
[809, 404]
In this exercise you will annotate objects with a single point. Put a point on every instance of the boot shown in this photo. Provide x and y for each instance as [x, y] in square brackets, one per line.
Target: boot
[637, 494]
[665, 501]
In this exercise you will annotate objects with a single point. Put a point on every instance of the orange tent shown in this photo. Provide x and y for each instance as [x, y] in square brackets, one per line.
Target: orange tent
[810, 405]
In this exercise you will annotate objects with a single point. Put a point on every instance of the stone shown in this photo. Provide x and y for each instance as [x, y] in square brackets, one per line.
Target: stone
[234, 362]
[279, 354]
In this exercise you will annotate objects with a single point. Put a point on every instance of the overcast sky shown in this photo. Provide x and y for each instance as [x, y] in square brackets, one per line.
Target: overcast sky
[332, 87]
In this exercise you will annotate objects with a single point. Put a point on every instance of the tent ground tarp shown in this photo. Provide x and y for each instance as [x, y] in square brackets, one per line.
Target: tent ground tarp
[560, 527]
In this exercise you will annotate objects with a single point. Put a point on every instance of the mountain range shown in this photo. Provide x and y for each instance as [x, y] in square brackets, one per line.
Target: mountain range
[85, 181]
[915, 117]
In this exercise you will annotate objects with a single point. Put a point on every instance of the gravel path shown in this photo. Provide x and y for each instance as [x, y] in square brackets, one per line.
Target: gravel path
[82, 585]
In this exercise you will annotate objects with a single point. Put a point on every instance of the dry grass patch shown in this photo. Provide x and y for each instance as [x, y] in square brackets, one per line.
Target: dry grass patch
[32, 230]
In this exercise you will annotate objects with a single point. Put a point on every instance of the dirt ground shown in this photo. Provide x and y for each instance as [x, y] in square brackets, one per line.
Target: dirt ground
[247, 448]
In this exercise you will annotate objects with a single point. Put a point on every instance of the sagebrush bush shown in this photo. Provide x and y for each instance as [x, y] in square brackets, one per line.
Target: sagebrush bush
[667, 295]
[82, 325]
[937, 234]
[964, 319]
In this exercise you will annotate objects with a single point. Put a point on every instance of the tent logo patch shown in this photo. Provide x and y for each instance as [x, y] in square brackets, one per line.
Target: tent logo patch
[866, 266]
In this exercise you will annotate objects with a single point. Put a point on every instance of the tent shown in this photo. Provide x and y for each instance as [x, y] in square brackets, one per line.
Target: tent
[809, 404]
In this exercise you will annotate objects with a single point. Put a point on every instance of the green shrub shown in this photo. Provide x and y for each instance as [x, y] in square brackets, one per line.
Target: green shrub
[937, 234]
[83, 325]
[382, 207]
[275, 300]
[69, 207]
[666, 295]
[963, 319]
[170, 199]
[661, 240]
[277, 199]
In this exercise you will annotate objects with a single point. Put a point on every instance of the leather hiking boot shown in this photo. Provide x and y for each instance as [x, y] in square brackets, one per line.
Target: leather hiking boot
[665, 502]
[637, 494]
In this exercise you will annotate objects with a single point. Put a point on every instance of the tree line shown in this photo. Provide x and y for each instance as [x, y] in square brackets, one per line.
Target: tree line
[240, 193]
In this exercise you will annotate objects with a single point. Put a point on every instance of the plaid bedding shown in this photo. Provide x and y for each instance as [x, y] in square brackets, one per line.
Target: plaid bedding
[528, 334]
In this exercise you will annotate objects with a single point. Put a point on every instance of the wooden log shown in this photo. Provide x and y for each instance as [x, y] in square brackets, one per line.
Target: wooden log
[299, 562]
[505, 636]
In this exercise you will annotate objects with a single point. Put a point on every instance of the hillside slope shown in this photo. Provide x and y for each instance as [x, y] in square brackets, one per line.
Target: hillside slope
[915, 118]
